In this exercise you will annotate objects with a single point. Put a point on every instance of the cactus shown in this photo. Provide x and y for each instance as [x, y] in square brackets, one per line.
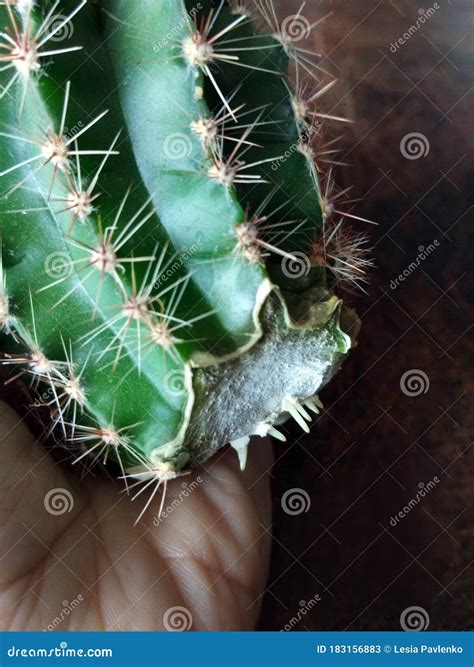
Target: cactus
[169, 258]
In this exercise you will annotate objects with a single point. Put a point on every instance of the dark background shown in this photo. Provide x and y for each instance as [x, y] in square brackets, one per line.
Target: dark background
[373, 447]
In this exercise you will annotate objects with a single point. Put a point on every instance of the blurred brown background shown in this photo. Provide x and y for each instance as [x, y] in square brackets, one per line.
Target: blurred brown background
[374, 447]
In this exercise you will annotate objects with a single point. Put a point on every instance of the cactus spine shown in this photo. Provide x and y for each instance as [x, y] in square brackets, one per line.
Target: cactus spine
[168, 253]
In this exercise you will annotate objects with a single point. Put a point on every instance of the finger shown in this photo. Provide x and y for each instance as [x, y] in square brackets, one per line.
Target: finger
[213, 538]
[37, 500]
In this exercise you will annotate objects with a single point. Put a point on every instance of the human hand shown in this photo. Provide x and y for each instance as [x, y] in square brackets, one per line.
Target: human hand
[202, 567]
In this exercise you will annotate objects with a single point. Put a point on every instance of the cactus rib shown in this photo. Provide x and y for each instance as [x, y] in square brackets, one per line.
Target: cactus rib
[146, 288]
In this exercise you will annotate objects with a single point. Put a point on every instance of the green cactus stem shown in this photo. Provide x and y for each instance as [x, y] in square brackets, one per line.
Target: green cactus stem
[168, 257]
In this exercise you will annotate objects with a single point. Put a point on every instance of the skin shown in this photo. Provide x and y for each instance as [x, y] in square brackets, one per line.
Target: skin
[209, 555]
